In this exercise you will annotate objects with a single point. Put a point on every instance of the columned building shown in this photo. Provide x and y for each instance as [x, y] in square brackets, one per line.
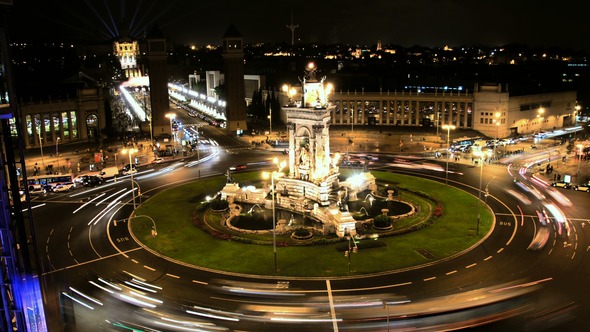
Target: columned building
[78, 118]
[127, 51]
[489, 109]
[402, 108]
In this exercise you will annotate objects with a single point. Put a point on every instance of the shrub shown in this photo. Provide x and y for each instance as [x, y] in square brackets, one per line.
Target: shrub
[218, 204]
[202, 206]
[382, 221]
[302, 232]
[438, 211]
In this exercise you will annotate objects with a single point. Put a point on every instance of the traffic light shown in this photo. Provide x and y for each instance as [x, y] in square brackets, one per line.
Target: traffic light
[346, 253]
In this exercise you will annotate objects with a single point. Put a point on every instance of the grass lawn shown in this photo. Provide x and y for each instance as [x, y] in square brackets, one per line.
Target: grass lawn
[178, 238]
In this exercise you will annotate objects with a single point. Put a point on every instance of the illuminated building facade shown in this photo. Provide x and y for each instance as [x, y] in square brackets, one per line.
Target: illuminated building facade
[127, 51]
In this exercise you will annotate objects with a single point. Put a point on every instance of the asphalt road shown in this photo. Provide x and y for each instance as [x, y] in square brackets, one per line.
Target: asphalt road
[80, 246]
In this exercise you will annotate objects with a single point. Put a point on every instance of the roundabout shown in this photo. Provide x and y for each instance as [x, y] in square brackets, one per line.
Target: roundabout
[443, 226]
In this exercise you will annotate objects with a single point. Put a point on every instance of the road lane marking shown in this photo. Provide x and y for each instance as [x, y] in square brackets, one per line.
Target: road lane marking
[332, 310]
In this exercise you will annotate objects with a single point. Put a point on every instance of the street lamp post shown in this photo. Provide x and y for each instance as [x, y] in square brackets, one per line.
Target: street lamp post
[487, 193]
[448, 128]
[437, 120]
[481, 159]
[130, 152]
[41, 147]
[580, 149]
[198, 145]
[171, 116]
[154, 229]
[576, 112]
[270, 120]
[348, 251]
[541, 111]
[497, 122]
[145, 111]
[272, 175]
[57, 151]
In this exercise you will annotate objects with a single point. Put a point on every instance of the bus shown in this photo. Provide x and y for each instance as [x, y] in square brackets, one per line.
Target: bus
[47, 180]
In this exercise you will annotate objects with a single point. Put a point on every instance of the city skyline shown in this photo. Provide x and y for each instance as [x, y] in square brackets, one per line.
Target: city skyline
[427, 23]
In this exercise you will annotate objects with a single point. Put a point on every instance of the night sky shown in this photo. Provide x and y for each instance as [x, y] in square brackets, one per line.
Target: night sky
[431, 23]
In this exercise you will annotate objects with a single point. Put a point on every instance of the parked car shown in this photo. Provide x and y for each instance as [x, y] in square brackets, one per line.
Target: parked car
[582, 187]
[561, 184]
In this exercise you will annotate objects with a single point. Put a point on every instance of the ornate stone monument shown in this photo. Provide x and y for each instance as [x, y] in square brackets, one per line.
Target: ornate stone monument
[312, 184]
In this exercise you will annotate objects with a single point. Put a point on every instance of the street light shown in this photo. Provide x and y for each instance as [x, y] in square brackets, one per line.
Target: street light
[497, 122]
[145, 111]
[154, 229]
[580, 147]
[270, 120]
[481, 156]
[487, 193]
[351, 120]
[277, 173]
[541, 111]
[576, 112]
[130, 152]
[448, 128]
[57, 151]
[171, 116]
[437, 121]
[41, 146]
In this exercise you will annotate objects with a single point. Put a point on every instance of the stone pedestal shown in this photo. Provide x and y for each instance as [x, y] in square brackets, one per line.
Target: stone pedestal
[281, 225]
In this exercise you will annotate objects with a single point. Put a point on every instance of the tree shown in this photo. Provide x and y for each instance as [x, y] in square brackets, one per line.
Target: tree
[256, 108]
[220, 91]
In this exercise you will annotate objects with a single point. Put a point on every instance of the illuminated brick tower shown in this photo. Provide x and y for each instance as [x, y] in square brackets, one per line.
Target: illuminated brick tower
[233, 68]
[158, 75]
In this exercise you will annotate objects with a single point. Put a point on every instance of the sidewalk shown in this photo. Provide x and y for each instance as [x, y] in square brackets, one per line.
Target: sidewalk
[375, 142]
[84, 158]
[578, 170]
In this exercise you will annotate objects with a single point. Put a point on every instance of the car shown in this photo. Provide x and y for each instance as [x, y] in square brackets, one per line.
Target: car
[582, 187]
[561, 184]
[92, 181]
[36, 191]
[127, 167]
[237, 167]
[158, 160]
[49, 187]
[130, 171]
[81, 177]
[63, 187]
